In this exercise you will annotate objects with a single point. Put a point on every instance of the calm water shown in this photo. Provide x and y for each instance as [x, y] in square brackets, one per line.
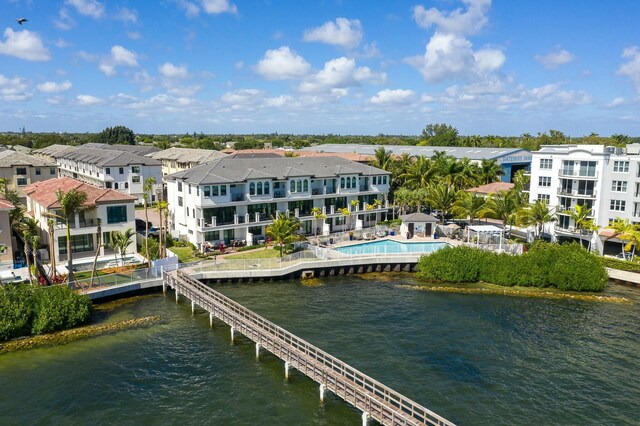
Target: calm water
[473, 359]
[390, 246]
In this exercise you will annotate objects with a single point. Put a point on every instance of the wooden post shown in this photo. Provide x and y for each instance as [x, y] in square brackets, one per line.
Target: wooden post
[210, 320]
[365, 418]
[257, 351]
[193, 308]
[177, 296]
[286, 370]
[322, 388]
[232, 330]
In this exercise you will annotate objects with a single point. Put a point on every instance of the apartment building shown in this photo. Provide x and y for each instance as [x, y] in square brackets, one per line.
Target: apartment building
[115, 209]
[603, 178]
[235, 198]
[111, 167]
[179, 159]
[21, 169]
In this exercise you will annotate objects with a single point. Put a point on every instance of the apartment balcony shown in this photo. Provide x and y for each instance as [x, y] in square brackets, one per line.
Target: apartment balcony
[577, 174]
[577, 194]
[568, 211]
[527, 171]
[279, 194]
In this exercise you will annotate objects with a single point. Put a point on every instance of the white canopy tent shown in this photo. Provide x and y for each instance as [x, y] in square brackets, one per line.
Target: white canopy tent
[487, 231]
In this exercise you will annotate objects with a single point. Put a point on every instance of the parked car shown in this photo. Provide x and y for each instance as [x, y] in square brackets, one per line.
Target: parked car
[624, 256]
[140, 225]
[154, 232]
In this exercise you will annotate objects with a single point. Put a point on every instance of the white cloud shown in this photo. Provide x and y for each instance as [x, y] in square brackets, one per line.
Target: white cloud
[133, 35]
[243, 97]
[344, 33]
[191, 9]
[125, 14]
[61, 44]
[218, 6]
[64, 21]
[395, 96]
[118, 56]
[450, 56]
[13, 89]
[25, 45]
[551, 96]
[278, 101]
[88, 100]
[340, 73]
[555, 59]
[53, 87]
[631, 68]
[169, 70]
[457, 21]
[616, 103]
[282, 64]
[91, 8]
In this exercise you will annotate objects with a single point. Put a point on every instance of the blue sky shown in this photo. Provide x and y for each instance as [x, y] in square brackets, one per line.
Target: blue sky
[347, 67]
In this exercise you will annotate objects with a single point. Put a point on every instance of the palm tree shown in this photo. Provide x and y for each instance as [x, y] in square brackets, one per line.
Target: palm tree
[51, 223]
[501, 205]
[382, 159]
[623, 231]
[98, 246]
[580, 216]
[147, 188]
[468, 205]
[420, 173]
[536, 214]
[441, 197]
[35, 242]
[161, 206]
[71, 203]
[120, 241]
[490, 171]
[27, 228]
[318, 215]
[283, 230]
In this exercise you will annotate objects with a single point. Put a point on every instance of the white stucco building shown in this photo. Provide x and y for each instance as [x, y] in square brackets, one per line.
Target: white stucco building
[235, 198]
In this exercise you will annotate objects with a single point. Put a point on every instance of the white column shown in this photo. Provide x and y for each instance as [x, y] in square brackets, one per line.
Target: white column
[365, 418]
[210, 320]
[322, 388]
[193, 308]
[257, 351]
[177, 295]
[232, 330]
[286, 370]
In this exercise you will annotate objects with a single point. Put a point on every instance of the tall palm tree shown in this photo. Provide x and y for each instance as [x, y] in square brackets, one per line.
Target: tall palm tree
[317, 216]
[283, 230]
[27, 228]
[120, 242]
[51, 223]
[468, 205]
[34, 243]
[536, 214]
[71, 203]
[623, 230]
[441, 197]
[490, 171]
[501, 205]
[147, 188]
[580, 215]
[382, 159]
[161, 206]
[420, 173]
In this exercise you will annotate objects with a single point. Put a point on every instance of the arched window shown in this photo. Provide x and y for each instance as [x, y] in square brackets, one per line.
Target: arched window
[252, 188]
[259, 188]
[266, 188]
[348, 183]
[342, 183]
[299, 186]
[306, 185]
[353, 182]
[115, 185]
[292, 186]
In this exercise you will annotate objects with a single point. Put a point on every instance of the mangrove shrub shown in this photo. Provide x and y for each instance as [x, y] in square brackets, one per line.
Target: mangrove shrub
[566, 267]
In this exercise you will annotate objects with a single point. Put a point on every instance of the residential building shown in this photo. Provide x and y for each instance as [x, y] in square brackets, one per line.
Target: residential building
[280, 152]
[179, 159]
[605, 179]
[115, 210]
[511, 159]
[111, 167]
[22, 169]
[236, 198]
[51, 152]
[491, 188]
[6, 242]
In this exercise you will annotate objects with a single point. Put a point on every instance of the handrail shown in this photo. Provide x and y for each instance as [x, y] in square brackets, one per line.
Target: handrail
[365, 385]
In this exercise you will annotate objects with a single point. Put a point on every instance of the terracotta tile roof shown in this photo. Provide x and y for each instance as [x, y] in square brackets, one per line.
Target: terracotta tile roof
[44, 193]
[492, 188]
[5, 204]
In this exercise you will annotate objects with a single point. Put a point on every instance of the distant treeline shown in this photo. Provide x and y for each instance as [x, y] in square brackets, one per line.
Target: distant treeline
[432, 135]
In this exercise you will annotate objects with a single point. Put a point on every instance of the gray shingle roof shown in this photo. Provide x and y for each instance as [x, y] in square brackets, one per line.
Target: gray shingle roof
[187, 155]
[9, 158]
[228, 170]
[427, 151]
[133, 149]
[106, 157]
[52, 150]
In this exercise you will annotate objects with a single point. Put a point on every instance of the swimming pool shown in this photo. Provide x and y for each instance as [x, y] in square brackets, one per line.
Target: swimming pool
[391, 247]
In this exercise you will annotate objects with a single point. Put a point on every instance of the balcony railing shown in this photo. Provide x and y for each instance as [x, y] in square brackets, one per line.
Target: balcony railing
[577, 194]
[578, 173]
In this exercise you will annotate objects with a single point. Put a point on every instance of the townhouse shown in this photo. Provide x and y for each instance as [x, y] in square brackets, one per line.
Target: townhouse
[236, 198]
[21, 169]
[179, 159]
[115, 210]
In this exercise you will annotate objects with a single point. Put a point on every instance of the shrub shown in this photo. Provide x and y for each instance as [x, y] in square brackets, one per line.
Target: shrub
[16, 310]
[566, 267]
[609, 262]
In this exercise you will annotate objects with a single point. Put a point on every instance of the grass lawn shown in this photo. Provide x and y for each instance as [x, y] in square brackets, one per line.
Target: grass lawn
[267, 253]
[185, 254]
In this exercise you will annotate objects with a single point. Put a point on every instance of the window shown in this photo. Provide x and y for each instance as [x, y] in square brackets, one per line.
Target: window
[38, 172]
[52, 170]
[135, 179]
[252, 188]
[135, 169]
[116, 214]
[179, 186]
[619, 186]
[214, 191]
[115, 185]
[79, 243]
[546, 163]
[259, 192]
[193, 213]
[620, 166]
[126, 185]
[107, 171]
[180, 201]
[187, 211]
[353, 182]
[374, 180]
[299, 186]
[207, 191]
[348, 183]
[107, 185]
[198, 191]
[121, 170]
[306, 185]
[544, 181]
[189, 188]
[22, 181]
[223, 189]
[384, 179]
[341, 183]
[544, 197]
[618, 205]
[22, 171]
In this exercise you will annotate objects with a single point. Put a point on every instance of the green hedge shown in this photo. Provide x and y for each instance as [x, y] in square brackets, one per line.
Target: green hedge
[609, 262]
[26, 310]
[566, 267]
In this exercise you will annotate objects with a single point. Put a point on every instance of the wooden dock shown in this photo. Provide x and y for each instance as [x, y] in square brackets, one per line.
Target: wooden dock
[374, 399]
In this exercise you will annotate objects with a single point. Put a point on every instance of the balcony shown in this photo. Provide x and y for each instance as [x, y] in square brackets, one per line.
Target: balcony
[279, 194]
[237, 197]
[568, 211]
[577, 194]
[567, 173]
[330, 190]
